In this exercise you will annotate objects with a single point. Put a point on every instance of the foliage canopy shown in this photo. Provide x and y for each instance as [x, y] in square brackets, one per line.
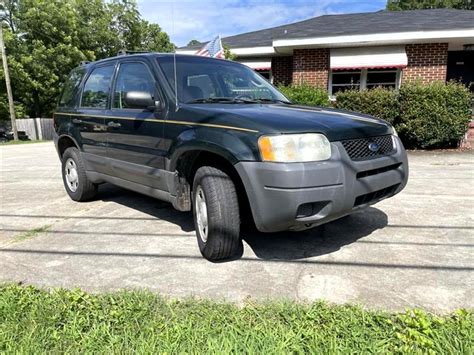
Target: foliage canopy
[395, 5]
[45, 39]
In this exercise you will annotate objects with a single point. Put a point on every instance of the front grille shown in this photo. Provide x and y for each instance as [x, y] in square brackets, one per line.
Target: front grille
[358, 149]
[375, 195]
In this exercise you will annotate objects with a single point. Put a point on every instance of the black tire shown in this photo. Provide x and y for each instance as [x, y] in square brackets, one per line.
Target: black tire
[223, 219]
[85, 189]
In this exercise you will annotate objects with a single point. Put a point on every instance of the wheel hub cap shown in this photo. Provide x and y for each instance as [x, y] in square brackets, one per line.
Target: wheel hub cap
[70, 172]
[201, 214]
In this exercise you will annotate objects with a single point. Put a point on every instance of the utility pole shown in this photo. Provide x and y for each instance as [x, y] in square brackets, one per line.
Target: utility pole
[9, 88]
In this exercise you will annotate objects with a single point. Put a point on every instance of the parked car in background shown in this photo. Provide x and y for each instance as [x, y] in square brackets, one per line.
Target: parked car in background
[6, 136]
[214, 137]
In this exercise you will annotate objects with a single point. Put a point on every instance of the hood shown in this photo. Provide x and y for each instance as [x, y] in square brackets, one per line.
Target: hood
[281, 118]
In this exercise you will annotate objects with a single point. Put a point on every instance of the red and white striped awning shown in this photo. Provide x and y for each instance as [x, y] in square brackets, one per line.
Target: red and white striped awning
[368, 58]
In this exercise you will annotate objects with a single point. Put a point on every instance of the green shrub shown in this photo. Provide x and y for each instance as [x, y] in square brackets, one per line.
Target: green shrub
[305, 94]
[434, 115]
[425, 115]
[378, 102]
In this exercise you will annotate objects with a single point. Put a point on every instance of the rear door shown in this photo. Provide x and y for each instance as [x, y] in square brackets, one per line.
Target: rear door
[134, 137]
[69, 101]
[89, 120]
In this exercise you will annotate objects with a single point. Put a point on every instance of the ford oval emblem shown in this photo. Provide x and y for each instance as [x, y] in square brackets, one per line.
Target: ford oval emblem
[374, 147]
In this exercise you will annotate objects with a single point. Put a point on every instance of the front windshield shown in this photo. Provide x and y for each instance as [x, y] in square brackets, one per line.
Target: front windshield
[203, 80]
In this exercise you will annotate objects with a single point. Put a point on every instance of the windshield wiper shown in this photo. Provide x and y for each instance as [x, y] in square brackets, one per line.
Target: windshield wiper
[221, 100]
[209, 100]
[274, 100]
[236, 100]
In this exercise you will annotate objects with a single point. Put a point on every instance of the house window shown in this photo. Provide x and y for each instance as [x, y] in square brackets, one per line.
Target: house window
[345, 80]
[363, 79]
[382, 77]
[266, 74]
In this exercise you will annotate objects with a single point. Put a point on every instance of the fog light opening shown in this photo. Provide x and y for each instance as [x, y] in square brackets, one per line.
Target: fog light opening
[310, 209]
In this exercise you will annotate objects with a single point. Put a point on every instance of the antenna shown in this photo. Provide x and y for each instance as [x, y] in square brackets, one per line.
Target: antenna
[174, 61]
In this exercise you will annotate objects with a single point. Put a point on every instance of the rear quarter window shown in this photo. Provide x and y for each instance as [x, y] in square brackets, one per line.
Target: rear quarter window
[71, 88]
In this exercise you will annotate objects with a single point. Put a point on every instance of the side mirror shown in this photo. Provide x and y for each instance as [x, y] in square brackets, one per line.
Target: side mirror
[140, 99]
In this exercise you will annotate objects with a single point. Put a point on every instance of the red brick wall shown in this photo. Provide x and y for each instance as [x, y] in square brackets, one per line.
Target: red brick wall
[311, 66]
[282, 70]
[468, 140]
[427, 62]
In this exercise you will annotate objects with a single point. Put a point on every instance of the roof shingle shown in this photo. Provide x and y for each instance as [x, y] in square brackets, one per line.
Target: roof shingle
[361, 23]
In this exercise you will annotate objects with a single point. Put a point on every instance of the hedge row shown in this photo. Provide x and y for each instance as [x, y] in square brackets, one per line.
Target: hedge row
[425, 116]
[306, 95]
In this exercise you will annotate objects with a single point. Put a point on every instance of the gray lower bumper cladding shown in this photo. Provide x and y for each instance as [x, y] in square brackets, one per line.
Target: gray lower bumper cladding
[295, 196]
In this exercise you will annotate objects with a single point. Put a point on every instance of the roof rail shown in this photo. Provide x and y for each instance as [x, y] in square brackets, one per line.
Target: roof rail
[127, 52]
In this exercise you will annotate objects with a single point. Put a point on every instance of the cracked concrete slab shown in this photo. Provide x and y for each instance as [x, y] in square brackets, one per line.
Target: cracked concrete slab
[414, 250]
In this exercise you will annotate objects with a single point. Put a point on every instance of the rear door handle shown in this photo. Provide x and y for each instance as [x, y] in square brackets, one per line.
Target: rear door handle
[114, 124]
[76, 121]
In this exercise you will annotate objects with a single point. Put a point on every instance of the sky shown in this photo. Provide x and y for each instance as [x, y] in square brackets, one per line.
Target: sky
[184, 20]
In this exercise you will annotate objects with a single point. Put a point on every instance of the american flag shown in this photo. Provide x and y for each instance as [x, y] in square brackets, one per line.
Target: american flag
[212, 49]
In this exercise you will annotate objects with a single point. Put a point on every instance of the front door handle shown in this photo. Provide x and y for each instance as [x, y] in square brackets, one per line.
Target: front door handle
[76, 121]
[114, 124]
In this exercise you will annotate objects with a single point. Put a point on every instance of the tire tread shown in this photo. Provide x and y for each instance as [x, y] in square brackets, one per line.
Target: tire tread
[224, 242]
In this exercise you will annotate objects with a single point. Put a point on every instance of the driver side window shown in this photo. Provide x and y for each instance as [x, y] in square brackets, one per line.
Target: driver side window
[132, 77]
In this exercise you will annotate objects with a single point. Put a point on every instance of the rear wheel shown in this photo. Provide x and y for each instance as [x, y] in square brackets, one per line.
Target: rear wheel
[216, 214]
[77, 185]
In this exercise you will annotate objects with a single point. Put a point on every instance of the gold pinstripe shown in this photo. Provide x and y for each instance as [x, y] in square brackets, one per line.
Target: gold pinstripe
[164, 121]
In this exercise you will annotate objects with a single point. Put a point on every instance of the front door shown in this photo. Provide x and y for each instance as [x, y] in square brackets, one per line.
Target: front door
[461, 67]
[134, 136]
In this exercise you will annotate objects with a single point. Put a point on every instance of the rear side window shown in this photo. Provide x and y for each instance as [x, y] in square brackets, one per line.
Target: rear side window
[96, 88]
[71, 88]
[132, 77]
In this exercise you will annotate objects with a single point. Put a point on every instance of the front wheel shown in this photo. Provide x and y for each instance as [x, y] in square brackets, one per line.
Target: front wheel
[216, 214]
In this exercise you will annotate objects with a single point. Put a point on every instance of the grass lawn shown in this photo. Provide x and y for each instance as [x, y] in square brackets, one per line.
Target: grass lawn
[33, 320]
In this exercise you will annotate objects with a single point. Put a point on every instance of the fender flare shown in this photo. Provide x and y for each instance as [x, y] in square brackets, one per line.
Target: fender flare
[202, 139]
[68, 136]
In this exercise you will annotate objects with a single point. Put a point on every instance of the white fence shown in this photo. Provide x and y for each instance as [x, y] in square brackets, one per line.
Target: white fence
[36, 128]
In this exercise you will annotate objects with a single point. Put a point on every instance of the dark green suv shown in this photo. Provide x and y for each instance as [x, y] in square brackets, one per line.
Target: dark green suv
[214, 137]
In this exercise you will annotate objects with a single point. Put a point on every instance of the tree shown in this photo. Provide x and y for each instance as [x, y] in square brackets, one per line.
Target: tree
[395, 5]
[193, 42]
[154, 39]
[228, 53]
[45, 39]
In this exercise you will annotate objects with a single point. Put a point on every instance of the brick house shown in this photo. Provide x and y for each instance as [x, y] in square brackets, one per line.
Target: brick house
[362, 50]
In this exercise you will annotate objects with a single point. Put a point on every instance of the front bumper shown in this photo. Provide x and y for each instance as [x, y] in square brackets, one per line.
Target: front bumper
[295, 196]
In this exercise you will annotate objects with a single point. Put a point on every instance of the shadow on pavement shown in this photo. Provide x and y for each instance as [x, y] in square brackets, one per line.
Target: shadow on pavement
[321, 240]
[145, 204]
[279, 246]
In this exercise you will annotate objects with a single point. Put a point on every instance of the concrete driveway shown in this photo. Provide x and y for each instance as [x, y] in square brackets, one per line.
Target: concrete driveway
[415, 249]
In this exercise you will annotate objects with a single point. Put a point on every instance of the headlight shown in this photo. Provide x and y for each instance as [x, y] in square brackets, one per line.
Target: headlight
[288, 148]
